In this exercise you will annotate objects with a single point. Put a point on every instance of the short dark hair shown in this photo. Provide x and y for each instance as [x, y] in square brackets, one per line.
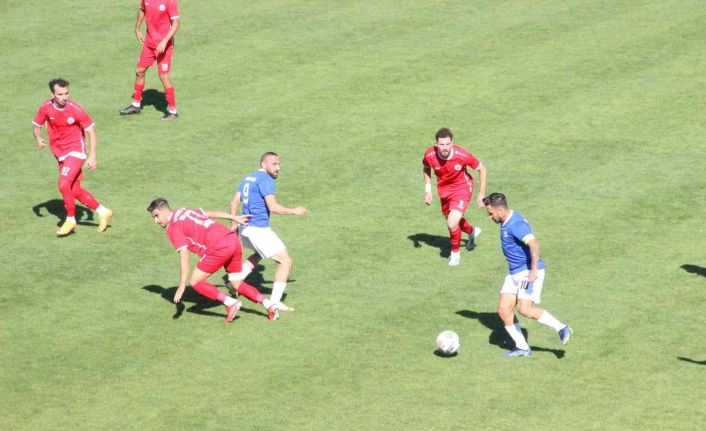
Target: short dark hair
[268, 154]
[156, 204]
[444, 133]
[495, 200]
[61, 82]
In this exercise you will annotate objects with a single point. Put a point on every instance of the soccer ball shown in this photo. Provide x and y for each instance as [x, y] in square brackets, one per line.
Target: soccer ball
[447, 342]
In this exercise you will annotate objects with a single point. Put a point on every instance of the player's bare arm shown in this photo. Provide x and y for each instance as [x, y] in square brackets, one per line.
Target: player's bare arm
[534, 253]
[184, 263]
[234, 207]
[172, 31]
[481, 193]
[92, 161]
[276, 208]
[427, 185]
[242, 219]
[38, 138]
[138, 24]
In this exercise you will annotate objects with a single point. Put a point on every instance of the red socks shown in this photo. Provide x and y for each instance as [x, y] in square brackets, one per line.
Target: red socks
[137, 95]
[171, 99]
[250, 292]
[209, 291]
[455, 240]
[465, 226]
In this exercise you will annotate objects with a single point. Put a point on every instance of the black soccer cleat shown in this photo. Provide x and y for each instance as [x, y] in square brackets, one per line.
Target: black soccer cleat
[132, 109]
[170, 116]
[471, 242]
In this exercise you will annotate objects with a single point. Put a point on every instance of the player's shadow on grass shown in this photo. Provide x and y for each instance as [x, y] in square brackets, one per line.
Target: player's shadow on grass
[55, 207]
[694, 269]
[154, 98]
[498, 335]
[681, 358]
[201, 304]
[436, 241]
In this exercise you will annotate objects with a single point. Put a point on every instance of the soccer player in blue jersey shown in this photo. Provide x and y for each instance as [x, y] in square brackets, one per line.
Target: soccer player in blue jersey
[523, 285]
[256, 192]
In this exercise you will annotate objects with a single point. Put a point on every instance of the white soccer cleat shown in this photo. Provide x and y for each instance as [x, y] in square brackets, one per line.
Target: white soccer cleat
[282, 307]
[455, 258]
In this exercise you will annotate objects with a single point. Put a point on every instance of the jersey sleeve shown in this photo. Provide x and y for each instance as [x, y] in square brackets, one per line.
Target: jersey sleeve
[173, 10]
[40, 118]
[472, 161]
[267, 187]
[84, 120]
[425, 162]
[142, 5]
[522, 232]
[176, 236]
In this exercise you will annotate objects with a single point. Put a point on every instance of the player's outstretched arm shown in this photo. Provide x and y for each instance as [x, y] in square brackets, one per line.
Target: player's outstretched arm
[242, 219]
[184, 264]
[427, 185]
[234, 206]
[276, 208]
[481, 193]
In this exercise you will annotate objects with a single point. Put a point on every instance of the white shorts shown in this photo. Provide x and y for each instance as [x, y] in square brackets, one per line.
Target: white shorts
[516, 284]
[263, 240]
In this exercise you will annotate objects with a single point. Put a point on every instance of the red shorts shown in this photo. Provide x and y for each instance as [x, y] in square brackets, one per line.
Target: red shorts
[164, 60]
[227, 253]
[71, 169]
[457, 201]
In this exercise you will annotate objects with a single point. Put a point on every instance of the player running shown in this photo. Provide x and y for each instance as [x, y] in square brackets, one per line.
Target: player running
[455, 188]
[67, 124]
[523, 286]
[217, 246]
[162, 18]
[257, 194]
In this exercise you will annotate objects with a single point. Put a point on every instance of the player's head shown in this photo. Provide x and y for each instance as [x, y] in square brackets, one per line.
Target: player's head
[270, 163]
[496, 205]
[160, 211]
[444, 141]
[60, 91]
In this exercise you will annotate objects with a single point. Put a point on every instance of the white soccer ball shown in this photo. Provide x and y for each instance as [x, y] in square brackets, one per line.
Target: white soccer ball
[447, 342]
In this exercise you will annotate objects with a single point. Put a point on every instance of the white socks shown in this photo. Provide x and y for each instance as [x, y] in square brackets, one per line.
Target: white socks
[101, 210]
[71, 219]
[246, 270]
[229, 301]
[277, 291]
[549, 320]
[516, 333]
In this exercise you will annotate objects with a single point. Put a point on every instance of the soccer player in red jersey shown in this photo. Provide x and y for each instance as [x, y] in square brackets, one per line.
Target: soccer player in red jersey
[217, 246]
[162, 18]
[67, 125]
[455, 187]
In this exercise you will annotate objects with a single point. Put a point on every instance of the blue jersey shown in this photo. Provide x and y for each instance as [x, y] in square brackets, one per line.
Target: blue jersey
[514, 235]
[253, 190]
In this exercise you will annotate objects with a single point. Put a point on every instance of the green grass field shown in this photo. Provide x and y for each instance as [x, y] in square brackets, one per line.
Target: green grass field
[588, 114]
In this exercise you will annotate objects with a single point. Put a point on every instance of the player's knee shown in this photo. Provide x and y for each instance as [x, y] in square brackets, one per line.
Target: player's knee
[64, 185]
[525, 309]
[140, 72]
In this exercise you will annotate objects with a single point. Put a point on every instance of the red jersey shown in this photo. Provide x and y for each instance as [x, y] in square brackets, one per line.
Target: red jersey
[451, 174]
[191, 228]
[65, 127]
[159, 15]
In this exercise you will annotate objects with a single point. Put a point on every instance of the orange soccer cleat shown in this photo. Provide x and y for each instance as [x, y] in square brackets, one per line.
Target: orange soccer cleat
[104, 220]
[67, 228]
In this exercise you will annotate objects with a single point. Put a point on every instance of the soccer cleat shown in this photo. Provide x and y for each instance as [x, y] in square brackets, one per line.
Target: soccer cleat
[170, 116]
[104, 220]
[455, 258]
[282, 307]
[565, 334]
[518, 352]
[273, 312]
[232, 310]
[471, 242]
[66, 228]
[132, 109]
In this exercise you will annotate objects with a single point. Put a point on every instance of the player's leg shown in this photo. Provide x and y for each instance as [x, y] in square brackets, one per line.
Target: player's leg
[506, 305]
[210, 263]
[269, 246]
[164, 65]
[147, 58]
[250, 264]
[68, 172]
[86, 198]
[234, 268]
[452, 221]
[530, 294]
[284, 266]
[472, 232]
